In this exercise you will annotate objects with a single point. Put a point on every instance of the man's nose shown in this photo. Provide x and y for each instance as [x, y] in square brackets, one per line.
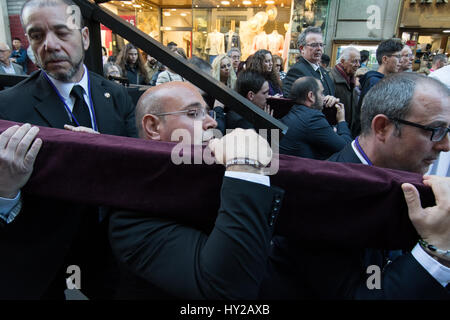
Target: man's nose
[209, 122]
[443, 145]
[51, 42]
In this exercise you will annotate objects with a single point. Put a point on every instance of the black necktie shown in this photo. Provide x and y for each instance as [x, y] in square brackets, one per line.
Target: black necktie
[80, 108]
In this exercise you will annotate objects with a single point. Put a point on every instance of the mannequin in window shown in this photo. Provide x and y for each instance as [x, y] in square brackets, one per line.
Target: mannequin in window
[232, 40]
[215, 43]
[275, 42]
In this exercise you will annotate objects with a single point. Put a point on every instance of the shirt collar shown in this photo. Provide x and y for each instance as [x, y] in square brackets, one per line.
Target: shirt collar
[65, 88]
[358, 154]
[314, 66]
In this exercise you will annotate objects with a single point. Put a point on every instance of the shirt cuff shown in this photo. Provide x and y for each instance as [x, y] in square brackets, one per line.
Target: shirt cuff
[438, 271]
[9, 208]
[251, 177]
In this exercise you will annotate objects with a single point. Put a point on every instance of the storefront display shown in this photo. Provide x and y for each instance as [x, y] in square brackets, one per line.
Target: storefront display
[207, 28]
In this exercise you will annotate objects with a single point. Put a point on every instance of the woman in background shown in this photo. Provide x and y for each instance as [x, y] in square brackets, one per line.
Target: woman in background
[262, 62]
[223, 71]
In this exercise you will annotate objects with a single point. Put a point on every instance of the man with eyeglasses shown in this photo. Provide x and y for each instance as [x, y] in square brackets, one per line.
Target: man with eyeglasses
[405, 126]
[388, 57]
[163, 258]
[54, 232]
[310, 43]
[235, 56]
[343, 76]
[407, 59]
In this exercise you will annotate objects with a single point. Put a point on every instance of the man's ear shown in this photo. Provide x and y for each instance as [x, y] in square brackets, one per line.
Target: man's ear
[381, 127]
[85, 38]
[250, 95]
[150, 127]
[311, 97]
[384, 59]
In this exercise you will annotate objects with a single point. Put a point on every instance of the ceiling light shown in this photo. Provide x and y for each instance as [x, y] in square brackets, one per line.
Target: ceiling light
[167, 14]
[282, 5]
[183, 14]
[128, 2]
[136, 5]
[446, 31]
[270, 2]
[173, 9]
[225, 3]
[246, 2]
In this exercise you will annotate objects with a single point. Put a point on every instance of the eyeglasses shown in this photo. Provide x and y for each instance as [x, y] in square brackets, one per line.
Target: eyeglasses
[437, 135]
[195, 113]
[355, 62]
[225, 66]
[395, 56]
[315, 45]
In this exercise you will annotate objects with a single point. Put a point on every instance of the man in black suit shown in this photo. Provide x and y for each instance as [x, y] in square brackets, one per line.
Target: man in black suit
[310, 135]
[405, 126]
[310, 43]
[54, 233]
[163, 258]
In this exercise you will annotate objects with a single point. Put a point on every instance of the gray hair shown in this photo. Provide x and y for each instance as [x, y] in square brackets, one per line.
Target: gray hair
[392, 96]
[233, 50]
[302, 37]
[345, 55]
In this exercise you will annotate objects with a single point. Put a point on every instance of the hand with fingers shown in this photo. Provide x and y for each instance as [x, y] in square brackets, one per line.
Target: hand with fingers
[330, 101]
[432, 223]
[268, 110]
[18, 151]
[340, 114]
[242, 150]
[80, 129]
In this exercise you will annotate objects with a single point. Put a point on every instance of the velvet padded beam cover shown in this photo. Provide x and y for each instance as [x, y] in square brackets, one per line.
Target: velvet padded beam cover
[326, 204]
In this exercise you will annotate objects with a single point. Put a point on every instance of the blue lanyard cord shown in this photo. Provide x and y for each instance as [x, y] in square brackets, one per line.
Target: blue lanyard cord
[361, 151]
[91, 105]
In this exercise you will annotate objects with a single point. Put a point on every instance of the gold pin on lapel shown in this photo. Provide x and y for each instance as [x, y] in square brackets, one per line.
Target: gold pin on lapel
[107, 95]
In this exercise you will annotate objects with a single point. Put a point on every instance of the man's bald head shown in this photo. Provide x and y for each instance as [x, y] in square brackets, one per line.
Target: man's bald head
[29, 4]
[4, 46]
[167, 97]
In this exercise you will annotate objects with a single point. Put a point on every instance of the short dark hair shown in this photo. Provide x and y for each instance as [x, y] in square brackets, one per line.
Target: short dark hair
[249, 80]
[392, 97]
[201, 64]
[15, 38]
[325, 59]
[302, 37]
[301, 87]
[388, 47]
[364, 55]
[171, 43]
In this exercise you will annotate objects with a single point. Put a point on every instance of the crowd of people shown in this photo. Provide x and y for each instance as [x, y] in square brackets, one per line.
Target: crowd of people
[393, 119]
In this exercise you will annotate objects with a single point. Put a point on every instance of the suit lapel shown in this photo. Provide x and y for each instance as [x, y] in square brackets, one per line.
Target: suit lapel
[103, 104]
[49, 105]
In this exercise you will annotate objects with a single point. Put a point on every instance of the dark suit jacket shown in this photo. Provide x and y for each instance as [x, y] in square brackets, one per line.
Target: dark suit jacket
[47, 232]
[177, 260]
[310, 135]
[331, 273]
[303, 69]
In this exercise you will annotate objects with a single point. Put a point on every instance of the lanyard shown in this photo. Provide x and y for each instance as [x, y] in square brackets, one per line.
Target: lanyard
[363, 154]
[91, 104]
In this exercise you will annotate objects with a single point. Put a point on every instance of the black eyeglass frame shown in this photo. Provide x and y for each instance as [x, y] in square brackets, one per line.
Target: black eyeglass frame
[427, 128]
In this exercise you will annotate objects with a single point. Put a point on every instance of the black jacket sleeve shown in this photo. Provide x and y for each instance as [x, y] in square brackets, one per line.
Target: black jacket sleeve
[187, 263]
